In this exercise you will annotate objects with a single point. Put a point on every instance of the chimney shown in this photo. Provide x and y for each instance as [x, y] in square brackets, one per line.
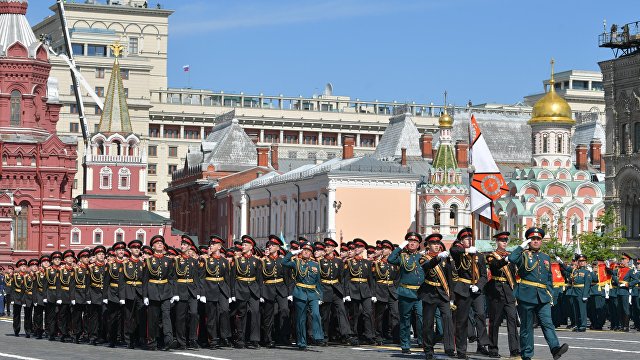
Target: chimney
[348, 142]
[403, 159]
[595, 148]
[274, 156]
[263, 156]
[426, 145]
[581, 157]
[462, 154]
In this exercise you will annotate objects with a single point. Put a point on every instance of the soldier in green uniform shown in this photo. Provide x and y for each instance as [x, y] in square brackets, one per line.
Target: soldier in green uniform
[21, 279]
[410, 279]
[39, 296]
[275, 307]
[307, 293]
[359, 287]
[597, 297]
[623, 278]
[80, 296]
[130, 288]
[581, 287]
[386, 294]
[534, 294]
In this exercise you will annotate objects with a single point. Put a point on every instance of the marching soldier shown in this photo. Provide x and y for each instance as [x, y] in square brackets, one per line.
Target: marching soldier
[80, 295]
[331, 271]
[187, 294]
[22, 291]
[410, 279]
[557, 293]
[359, 286]
[39, 298]
[581, 286]
[534, 294]
[274, 294]
[247, 277]
[51, 290]
[111, 293]
[158, 291]
[436, 293]
[386, 293]
[624, 280]
[130, 289]
[216, 271]
[7, 289]
[599, 281]
[307, 294]
[468, 277]
[96, 294]
[501, 302]
[64, 288]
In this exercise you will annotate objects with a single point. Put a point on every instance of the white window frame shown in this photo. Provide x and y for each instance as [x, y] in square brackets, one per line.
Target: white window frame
[144, 235]
[124, 172]
[115, 235]
[73, 232]
[93, 237]
[105, 171]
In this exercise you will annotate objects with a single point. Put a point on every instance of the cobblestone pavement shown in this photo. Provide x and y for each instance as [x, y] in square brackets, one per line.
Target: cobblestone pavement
[590, 345]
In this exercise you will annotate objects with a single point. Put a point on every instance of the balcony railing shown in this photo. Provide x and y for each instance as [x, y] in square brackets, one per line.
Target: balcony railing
[116, 158]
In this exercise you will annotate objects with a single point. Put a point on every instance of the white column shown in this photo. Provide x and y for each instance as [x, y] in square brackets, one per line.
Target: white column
[281, 137]
[243, 214]
[161, 130]
[261, 135]
[358, 139]
[377, 139]
[320, 138]
[331, 212]
[339, 138]
[181, 131]
[300, 136]
[202, 132]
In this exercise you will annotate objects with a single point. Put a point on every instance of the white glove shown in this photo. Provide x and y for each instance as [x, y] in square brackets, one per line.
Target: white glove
[121, 301]
[233, 299]
[451, 303]
[261, 300]
[474, 288]
[59, 302]
[230, 300]
[623, 284]
[525, 243]
[346, 298]
[203, 299]
[374, 299]
[197, 297]
[629, 300]
[607, 263]
[559, 260]
[319, 302]
[589, 268]
[290, 298]
[403, 244]
[73, 302]
[175, 298]
[443, 255]
[146, 301]
[585, 299]
[44, 301]
[88, 302]
[12, 303]
[106, 301]
[296, 252]
[471, 250]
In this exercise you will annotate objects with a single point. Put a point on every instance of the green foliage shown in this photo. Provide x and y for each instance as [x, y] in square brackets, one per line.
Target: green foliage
[602, 243]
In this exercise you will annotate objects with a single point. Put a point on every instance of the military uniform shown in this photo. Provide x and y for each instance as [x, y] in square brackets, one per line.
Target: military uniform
[95, 296]
[599, 281]
[624, 280]
[307, 295]
[581, 281]
[80, 296]
[501, 302]
[111, 295]
[39, 295]
[386, 294]
[534, 296]
[436, 294]
[359, 285]
[274, 294]
[331, 271]
[216, 273]
[188, 291]
[410, 280]
[22, 298]
[130, 289]
[64, 290]
[246, 289]
[51, 299]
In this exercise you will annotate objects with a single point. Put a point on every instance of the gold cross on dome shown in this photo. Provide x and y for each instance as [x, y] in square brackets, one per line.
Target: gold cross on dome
[116, 49]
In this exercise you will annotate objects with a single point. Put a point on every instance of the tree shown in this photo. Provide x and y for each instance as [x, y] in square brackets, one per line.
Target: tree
[601, 244]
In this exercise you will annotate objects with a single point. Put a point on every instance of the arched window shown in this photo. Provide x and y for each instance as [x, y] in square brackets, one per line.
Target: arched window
[141, 235]
[436, 214]
[559, 144]
[124, 179]
[545, 143]
[118, 235]
[76, 236]
[118, 147]
[105, 178]
[453, 215]
[16, 108]
[574, 227]
[100, 147]
[97, 236]
[626, 137]
[21, 226]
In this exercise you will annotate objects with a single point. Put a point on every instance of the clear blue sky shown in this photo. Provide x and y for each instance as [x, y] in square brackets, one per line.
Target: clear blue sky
[483, 50]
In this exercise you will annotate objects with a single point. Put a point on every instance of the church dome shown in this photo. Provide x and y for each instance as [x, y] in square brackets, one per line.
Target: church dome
[552, 108]
[445, 120]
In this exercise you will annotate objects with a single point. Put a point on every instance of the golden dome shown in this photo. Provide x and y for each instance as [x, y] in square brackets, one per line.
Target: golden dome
[552, 107]
[445, 120]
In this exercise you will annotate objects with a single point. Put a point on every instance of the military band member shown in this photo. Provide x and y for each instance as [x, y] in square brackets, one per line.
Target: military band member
[359, 285]
[80, 295]
[599, 281]
[96, 295]
[307, 293]
[274, 295]
[534, 294]
[40, 295]
[386, 293]
[501, 302]
[410, 279]
[187, 293]
[331, 272]
[581, 280]
[130, 290]
[436, 294]
[22, 287]
[216, 272]
[624, 280]
[246, 290]
[158, 291]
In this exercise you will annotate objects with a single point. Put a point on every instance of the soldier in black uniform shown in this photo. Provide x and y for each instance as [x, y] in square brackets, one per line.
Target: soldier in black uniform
[501, 302]
[333, 294]
[359, 286]
[64, 289]
[22, 285]
[111, 293]
[51, 291]
[466, 279]
[80, 295]
[215, 275]
[158, 289]
[187, 294]
[246, 290]
[130, 289]
[274, 295]
[436, 293]
[95, 295]
[386, 294]
[39, 296]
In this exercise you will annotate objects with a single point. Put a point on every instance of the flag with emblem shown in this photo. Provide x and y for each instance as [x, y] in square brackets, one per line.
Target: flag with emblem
[487, 183]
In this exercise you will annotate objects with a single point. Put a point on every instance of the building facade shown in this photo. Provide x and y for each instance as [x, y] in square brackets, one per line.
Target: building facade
[38, 166]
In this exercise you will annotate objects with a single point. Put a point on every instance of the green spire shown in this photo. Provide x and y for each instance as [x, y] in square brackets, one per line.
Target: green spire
[115, 115]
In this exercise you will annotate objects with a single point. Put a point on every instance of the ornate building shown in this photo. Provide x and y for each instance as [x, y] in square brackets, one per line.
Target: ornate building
[38, 166]
[114, 206]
